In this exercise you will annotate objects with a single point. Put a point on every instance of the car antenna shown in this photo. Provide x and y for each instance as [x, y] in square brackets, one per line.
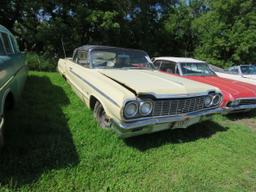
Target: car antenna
[63, 47]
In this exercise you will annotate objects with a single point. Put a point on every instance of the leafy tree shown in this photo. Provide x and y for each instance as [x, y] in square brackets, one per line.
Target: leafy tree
[227, 32]
[179, 33]
[221, 32]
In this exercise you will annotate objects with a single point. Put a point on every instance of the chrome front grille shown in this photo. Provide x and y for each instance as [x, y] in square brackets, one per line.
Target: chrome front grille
[178, 106]
[247, 102]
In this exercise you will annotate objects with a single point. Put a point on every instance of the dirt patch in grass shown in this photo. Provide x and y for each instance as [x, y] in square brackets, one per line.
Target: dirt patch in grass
[246, 119]
[251, 123]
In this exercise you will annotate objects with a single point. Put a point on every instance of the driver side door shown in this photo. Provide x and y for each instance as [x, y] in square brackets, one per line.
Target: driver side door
[78, 70]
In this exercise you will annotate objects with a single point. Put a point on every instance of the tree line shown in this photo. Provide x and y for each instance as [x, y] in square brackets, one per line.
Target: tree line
[220, 32]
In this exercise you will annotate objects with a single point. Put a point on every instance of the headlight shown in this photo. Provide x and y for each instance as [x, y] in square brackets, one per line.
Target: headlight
[130, 109]
[235, 103]
[216, 99]
[208, 101]
[145, 108]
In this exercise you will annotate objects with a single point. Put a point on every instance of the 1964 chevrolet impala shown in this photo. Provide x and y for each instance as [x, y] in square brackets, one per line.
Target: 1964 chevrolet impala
[127, 94]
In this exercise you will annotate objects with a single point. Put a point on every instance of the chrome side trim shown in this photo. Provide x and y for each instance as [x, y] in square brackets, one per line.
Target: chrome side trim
[95, 88]
[158, 120]
[242, 107]
[20, 69]
[6, 83]
[74, 86]
[245, 98]
[11, 78]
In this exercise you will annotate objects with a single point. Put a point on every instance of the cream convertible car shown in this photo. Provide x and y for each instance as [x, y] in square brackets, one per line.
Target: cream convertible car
[128, 95]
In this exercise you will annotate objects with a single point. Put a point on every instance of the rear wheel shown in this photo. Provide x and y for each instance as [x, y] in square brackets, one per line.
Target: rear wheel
[100, 115]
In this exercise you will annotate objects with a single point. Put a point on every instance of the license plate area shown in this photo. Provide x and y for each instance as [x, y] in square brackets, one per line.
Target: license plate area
[186, 123]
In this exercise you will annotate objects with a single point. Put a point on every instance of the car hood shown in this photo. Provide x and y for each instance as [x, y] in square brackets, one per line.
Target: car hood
[236, 77]
[250, 76]
[231, 89]
[160, 85]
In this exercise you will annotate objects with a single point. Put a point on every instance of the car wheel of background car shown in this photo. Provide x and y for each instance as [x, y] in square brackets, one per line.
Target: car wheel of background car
[1, 133]
[1, 139]
[8, 105]
[100, 115]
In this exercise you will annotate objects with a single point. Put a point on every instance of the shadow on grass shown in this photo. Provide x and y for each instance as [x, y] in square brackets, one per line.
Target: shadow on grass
[244, 115]
[37, 135]
[202, 130]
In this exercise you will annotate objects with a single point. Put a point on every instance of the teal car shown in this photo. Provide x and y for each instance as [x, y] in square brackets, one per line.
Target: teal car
[13, 73]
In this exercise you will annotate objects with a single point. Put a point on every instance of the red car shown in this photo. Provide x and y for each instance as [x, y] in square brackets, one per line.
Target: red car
[238, 96]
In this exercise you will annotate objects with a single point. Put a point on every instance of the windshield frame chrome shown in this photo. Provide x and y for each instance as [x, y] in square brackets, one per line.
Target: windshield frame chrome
[91, 50]
[201, 75]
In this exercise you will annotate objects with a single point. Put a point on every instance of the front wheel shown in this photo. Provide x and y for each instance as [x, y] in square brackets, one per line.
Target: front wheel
[1, 133]
[101, 116]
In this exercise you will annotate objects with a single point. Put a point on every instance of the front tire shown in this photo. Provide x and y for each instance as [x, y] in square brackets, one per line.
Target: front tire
[101, 116]
[1, 133]
[8, 105]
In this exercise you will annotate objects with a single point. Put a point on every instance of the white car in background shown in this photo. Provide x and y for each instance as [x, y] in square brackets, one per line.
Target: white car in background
[244, 73]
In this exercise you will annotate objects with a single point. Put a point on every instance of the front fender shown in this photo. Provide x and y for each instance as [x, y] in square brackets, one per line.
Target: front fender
[112, 111]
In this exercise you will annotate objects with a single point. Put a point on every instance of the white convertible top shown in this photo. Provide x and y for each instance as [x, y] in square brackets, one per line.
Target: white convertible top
[180, 59]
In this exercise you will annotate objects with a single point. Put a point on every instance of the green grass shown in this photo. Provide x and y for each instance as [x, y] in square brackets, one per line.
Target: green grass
[54, 144]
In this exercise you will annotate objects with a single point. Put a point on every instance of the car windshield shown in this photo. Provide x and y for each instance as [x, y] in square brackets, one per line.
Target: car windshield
[248, 70]
[120, 58]
[196, 69]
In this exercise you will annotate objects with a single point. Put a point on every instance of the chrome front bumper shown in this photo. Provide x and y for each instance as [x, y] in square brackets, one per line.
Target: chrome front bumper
[242, 108]
[154, 124]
